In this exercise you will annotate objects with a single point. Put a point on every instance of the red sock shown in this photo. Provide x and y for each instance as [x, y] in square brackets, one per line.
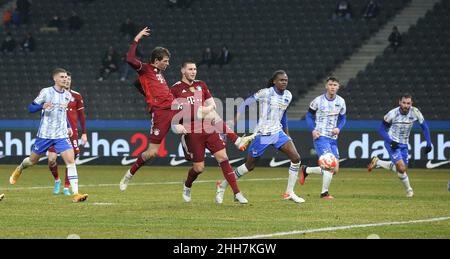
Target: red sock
[67, 182]
[228, 173]
[140, 162]
[192, 175]
[54, 170]
[222, 127]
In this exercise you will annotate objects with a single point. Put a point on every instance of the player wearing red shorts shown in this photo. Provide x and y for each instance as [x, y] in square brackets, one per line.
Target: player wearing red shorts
[159, 99]
[75, 112]
[199, 134]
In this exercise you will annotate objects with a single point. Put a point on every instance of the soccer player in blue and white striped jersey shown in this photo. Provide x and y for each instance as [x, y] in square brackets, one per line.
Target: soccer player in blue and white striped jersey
[54, 130]
[395, 130]
[329, 110]
[272, 130]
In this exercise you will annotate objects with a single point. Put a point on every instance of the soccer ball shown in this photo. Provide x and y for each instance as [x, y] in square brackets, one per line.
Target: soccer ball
[328, 161]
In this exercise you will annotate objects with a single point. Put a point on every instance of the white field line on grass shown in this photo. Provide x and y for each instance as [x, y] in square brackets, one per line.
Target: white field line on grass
[299, 232]
[138, 184]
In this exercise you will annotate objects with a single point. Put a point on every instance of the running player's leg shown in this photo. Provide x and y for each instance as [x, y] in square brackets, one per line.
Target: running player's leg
[39, 149]
[53, 166]
[161, 123]
[322, 146]
[76, 150]
[255, 151]
[195, 145]
[286, 145]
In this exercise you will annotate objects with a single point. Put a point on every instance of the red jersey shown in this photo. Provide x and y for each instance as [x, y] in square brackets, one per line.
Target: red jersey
[157, 92]
[194, 96]
[75, 111]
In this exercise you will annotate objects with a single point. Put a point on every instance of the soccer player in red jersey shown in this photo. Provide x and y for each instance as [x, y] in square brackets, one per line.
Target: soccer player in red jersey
[198, 133]
[159, 100]
[75, 112]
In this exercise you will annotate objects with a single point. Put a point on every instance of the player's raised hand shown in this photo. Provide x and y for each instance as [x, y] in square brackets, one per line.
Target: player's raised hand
[144, 33]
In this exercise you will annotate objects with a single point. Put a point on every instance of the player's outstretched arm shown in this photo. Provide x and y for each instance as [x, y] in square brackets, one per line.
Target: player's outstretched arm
[131, 55]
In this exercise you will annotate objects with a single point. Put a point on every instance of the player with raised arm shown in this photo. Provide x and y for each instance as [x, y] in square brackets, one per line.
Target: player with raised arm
[395, 130]
[75, 112]
[54, 130]
[329, 111]
[159, 100]
[272, 130]
[200, 133]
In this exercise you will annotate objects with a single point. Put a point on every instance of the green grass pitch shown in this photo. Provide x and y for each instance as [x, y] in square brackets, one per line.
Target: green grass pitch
[152, 207]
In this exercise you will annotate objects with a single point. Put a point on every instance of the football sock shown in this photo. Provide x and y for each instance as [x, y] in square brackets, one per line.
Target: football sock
[140, 162]
[54, 171]
[67, 182]
[327, 177]
[238, 172]
[387, 165]
[26, 163]
[405, 181]
[192, 175]
[228, 173]
[313, 170]
[73, 177]
[293, 175]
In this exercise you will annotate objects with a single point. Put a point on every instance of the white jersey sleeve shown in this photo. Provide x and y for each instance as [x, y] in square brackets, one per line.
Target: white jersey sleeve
[40, 99]
[315, 104]
[262, 94]
[417, 115]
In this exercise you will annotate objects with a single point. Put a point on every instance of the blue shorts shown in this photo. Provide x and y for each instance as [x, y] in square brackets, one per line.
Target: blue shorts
[401, 153]
[41, 145]
[262, 142]
[326, 145]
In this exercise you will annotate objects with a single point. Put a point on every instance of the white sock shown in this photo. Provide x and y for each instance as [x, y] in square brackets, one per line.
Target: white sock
[405, 181]
[26, 163]
[58, 181]
[327, 177]
[128, 175]
[73, 177]
[387, 165]
[314, 170]
[293, 175]
[238, 172]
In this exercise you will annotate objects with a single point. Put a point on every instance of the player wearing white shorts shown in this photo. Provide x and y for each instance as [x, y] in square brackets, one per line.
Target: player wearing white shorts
[329, 111]
[54, 130]
[395, 130]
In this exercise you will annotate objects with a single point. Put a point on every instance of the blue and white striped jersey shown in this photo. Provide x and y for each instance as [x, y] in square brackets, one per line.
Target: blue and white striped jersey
[327, 113]
[271, 110]
[401, 124]
[54, 120]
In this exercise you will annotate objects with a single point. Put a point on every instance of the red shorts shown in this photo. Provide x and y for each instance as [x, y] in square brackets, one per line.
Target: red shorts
[161, 123]
[74, 142]
[194, 145]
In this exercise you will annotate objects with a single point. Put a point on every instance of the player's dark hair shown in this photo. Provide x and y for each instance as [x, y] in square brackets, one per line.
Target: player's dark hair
[58, 70]
[159, 53]
[332, 79]
[69, 74]
[270, 83]
[188, 61]
[406, 96]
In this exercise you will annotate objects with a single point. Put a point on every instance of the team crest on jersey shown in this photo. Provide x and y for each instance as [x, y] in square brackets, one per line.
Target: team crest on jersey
[199, 88]
[155, 132]
[286, 100]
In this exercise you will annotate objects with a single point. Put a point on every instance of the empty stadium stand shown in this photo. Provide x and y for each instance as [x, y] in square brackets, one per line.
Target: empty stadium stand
[263, 36]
